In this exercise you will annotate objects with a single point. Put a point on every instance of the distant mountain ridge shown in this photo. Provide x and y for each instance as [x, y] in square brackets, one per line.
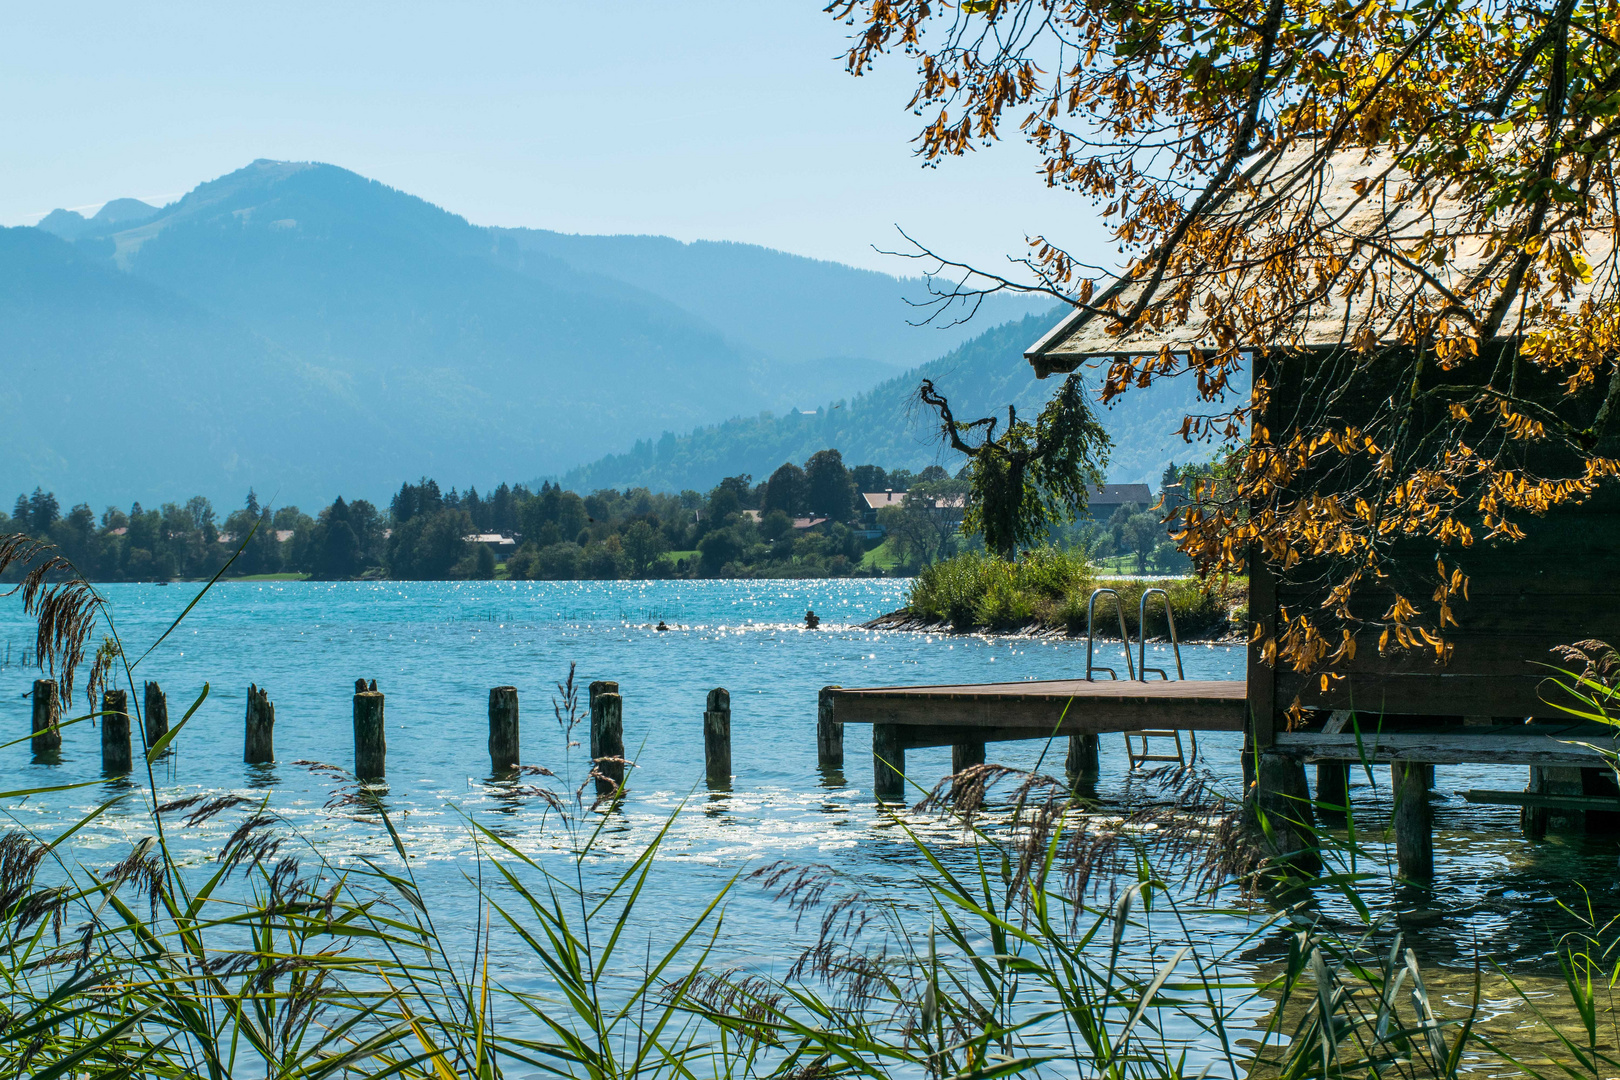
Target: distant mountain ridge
[298, 328]
[888, 426]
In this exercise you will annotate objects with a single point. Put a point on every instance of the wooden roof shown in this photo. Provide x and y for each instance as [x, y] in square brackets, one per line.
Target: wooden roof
[1346, 221]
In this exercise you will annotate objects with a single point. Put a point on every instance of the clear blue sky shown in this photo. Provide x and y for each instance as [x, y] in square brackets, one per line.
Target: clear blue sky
[716, 120]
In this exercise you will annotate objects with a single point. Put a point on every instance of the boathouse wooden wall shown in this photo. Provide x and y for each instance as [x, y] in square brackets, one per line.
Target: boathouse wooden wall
[1557, 586]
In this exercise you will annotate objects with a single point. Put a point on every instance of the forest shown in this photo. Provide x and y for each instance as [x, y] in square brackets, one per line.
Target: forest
[801, 521]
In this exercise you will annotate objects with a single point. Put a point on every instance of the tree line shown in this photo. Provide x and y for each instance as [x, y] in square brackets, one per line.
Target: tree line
[739, 527]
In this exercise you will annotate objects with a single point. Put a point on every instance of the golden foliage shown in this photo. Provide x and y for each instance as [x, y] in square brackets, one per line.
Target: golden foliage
[1422, 194]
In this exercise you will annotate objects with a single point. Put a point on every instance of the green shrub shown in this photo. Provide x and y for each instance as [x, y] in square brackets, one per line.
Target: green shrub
[1050, 587]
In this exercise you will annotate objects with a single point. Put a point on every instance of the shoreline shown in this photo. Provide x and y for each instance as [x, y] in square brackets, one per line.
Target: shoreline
[908, 622]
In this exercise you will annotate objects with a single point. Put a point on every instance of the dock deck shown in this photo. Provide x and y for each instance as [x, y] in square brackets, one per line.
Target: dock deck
[999, 712]
[966, 717]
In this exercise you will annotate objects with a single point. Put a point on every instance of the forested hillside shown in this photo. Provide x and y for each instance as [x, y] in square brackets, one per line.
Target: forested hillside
[887, 423]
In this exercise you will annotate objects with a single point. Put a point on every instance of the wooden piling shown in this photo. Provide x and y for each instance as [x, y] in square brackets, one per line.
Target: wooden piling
[607, 736]
[47, 717]
[370, 744]
[1413, 821]
[1333, 790]
[717, 738]
[596, 690]
[115, 755]
[157, 714]
[966, 754]
[888, 763]
[503, 729]
[258, 744]
[1081, 763]
[829, 733]
[1282, 795]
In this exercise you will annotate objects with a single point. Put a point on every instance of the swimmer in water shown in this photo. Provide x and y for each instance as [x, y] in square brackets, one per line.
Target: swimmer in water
[661, 625]
[811, 619]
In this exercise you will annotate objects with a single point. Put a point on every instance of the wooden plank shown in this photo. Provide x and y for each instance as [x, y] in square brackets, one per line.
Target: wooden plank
[1025, 710]
[1443, 748]
[1538, 799]
[1418, 694]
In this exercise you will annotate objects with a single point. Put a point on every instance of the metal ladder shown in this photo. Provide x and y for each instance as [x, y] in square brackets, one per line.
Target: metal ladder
[1146, 751]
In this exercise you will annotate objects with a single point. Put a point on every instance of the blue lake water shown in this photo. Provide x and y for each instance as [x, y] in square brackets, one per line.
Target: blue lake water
[435, 649]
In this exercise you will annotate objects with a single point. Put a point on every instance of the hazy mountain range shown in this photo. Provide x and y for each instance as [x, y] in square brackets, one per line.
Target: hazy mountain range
[300, 329]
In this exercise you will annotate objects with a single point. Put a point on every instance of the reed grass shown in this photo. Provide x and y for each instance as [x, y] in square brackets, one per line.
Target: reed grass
[1055, 942]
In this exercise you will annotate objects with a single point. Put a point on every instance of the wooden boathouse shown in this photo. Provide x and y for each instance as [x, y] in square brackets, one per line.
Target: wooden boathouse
[1487, 701]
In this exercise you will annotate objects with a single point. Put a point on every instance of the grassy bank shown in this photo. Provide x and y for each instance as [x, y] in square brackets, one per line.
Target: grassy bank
[1048, 589]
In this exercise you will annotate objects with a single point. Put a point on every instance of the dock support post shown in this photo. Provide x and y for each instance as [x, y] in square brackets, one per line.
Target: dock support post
[1081, 763]
[157, 714]
[966, 754]
[503, 729]
[1333, 790]
[607, 735]
[1553, 780]
[259, 745]
[1284, 797]
[888, 763]
[1413, 821]
[370, 742]
[829, 733]
[47, 716]
[115, 755]
[717, 738]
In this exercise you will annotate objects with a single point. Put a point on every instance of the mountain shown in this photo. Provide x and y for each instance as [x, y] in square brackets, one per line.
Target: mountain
[113, 383]
[888, 426]
[331, 334]
[798, 311]
[70, 224]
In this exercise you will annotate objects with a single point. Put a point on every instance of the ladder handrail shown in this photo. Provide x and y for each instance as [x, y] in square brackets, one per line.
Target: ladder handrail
[1124, 635]
[1141, 625]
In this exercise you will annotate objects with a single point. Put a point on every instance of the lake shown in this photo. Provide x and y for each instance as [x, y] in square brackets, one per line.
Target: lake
[436, 648]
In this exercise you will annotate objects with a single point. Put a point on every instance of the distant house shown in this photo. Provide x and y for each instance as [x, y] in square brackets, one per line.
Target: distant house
[1107, 498]
[948, 508]
[501, 545]
[873, 501]
[807, 522]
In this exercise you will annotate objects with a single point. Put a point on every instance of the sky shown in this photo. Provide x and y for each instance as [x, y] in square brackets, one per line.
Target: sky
[719, 120]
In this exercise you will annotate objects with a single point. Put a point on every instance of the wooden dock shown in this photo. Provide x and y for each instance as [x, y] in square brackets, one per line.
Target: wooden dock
[966, 717]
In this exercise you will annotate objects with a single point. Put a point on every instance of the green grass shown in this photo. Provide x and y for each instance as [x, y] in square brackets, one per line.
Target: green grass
[288, 576]
[883, 557]
[1049, 588]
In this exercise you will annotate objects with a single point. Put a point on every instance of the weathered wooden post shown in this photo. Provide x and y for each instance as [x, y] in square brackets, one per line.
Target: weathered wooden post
[717, 738]
[888, 763]
[503, 729]
[115, 756]
[1413, 820]
[47, 717]
[1282, 795]
[1332, 790]
[607, 735]
[965, 754]
[370, 745]
[829, 732]
[157, 714]
[258, 746]
[1081, 763]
